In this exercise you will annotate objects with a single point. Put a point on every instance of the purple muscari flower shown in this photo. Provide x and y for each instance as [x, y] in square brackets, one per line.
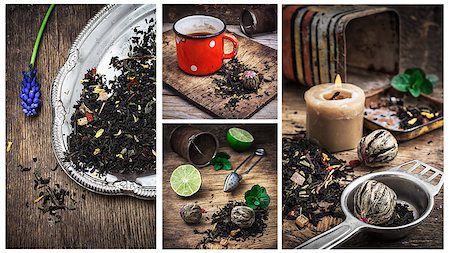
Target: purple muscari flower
[30, 93]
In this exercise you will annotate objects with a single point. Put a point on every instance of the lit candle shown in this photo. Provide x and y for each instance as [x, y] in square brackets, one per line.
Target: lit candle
[334, 115]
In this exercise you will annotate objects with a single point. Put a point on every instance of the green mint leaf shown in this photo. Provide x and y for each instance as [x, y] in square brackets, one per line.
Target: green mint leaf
[416, 72]
[401, 82]
[223, 155]
[257, 197]
[414, 90]
[433, 79]
[217, 166]
[427, 87]
[226, 165]
[418, 76]
[264, 198]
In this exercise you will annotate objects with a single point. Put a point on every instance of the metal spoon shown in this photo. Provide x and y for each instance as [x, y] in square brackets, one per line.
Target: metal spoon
[233, 179]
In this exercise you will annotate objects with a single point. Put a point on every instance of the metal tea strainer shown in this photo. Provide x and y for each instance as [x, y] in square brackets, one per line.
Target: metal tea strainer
[234, 179]
[413, 186]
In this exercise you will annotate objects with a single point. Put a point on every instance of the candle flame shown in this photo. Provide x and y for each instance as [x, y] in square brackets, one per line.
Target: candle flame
[338, 82]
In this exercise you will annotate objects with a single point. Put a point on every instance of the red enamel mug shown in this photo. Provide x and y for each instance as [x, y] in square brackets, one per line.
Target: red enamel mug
[200, 41]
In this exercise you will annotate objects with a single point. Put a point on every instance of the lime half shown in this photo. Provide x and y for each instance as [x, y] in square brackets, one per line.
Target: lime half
[185, 180]
[239, 139]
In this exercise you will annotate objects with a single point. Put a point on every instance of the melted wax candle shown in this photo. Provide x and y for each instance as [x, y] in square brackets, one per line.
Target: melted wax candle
[334, 115]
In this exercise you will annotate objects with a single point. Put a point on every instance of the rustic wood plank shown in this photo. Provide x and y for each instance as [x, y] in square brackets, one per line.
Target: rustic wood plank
[175, 107]
[428, 148]
[177, 234]
[200, 90]
[99, 221]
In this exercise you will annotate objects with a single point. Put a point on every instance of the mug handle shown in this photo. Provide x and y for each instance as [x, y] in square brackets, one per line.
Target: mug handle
[233, 39]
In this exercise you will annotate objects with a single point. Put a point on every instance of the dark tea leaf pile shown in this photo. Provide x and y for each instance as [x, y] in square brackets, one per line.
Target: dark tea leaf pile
[224, 228]
[232, 85]
[313, 180]
[393, 113]
[114, 120]
[402, 215]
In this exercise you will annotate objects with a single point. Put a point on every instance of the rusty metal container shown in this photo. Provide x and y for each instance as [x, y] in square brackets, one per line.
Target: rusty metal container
[259, 21]
[196, 146]
[361, 43]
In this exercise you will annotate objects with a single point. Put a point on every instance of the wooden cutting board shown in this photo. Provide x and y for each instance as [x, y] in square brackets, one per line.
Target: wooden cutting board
[177, 234]
[201, 91]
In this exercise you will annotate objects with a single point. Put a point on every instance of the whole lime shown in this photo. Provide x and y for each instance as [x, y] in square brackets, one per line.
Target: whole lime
[239, 139]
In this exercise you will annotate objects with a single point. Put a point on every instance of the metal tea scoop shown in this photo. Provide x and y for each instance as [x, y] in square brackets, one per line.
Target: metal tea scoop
[413, 182]
[234, 179]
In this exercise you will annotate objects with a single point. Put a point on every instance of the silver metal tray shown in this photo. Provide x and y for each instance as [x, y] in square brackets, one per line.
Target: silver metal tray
[106, 35]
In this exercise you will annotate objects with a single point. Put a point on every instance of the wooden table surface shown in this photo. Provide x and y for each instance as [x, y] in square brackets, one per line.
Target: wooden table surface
[175, 107]
[427, 148]
[176, 233]
[99, 221]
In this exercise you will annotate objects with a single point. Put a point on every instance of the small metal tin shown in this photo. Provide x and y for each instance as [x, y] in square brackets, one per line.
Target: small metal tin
[322, 41]
[408, 134]
[258, 21]
[196, 146]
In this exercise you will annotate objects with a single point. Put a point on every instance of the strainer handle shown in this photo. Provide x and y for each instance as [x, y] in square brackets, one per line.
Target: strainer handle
[332, 237]
[411, 168]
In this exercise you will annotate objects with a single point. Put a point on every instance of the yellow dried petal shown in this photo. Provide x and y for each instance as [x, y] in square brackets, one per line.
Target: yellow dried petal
[84, 80]
[145, 66]
[410, 114]
[427, 114]
[98, 90]
[120, 156]
[118, 133]
[412, 121]
[97, 151]
[8, 146]
[99, 133]
[136, 119]
[325, 157]
[39, 199]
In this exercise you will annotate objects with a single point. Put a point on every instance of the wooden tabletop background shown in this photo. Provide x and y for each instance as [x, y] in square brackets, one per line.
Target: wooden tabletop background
[176, 233]
[421, 46]
[99, 221]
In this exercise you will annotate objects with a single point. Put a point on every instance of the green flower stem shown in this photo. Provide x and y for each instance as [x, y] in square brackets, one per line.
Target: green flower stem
[39, 36]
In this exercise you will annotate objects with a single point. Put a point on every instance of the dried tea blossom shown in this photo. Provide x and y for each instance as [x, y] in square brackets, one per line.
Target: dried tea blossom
[377, 148]
[374, 202]
[251, 80]
[243, 216]
[236, 82]
[191, 213]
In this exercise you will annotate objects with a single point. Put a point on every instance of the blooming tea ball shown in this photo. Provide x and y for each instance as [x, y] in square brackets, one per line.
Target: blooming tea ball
[377, 148]
[191, 213]
[243, 216]
[374, 202]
